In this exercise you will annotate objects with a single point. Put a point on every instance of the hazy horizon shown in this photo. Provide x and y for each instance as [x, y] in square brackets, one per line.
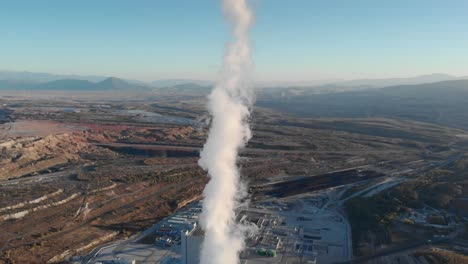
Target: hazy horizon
[213, 80]
[304, 41]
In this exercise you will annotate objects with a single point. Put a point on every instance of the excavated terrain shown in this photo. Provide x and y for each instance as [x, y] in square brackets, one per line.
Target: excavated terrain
[101, 170]
[25, 156]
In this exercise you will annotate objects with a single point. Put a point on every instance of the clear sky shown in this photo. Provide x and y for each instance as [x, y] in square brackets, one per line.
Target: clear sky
[294, 40]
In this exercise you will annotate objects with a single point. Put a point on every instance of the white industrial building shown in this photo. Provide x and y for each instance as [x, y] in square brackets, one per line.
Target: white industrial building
[191, 245]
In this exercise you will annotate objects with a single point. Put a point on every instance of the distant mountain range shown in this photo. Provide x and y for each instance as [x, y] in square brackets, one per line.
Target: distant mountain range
[35, 77]
[364, 83]
[378, 83]
[320, 85]
[108, 84]
[422, 98]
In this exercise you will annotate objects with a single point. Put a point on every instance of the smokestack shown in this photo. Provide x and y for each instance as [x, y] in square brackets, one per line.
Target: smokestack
[229, 105]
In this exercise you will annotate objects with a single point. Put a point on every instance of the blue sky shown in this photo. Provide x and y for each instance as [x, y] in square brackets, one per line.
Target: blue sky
[294, 40]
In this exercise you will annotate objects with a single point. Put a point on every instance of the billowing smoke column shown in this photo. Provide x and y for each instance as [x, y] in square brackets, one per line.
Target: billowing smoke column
[229, 104]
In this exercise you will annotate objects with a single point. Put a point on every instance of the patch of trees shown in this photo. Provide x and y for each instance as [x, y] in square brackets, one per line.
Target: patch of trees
[417, 194]
[436, 188]
[371, 214]
[465, 233]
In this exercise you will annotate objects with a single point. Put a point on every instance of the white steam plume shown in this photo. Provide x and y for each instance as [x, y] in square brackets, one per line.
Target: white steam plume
[229, 104]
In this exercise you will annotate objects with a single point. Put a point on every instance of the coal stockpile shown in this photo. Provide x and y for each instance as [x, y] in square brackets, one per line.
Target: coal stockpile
[314, 183]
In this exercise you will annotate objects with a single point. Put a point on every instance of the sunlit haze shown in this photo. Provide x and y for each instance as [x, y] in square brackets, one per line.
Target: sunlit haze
[293, 40]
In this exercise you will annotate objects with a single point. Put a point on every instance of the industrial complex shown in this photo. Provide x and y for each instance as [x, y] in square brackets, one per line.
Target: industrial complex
[298, 229]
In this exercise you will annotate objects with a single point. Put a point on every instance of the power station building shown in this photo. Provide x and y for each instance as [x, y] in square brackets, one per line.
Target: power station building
[191, 245]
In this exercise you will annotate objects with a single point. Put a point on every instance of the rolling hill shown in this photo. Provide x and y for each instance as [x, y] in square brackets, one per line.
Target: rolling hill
[440, 102]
